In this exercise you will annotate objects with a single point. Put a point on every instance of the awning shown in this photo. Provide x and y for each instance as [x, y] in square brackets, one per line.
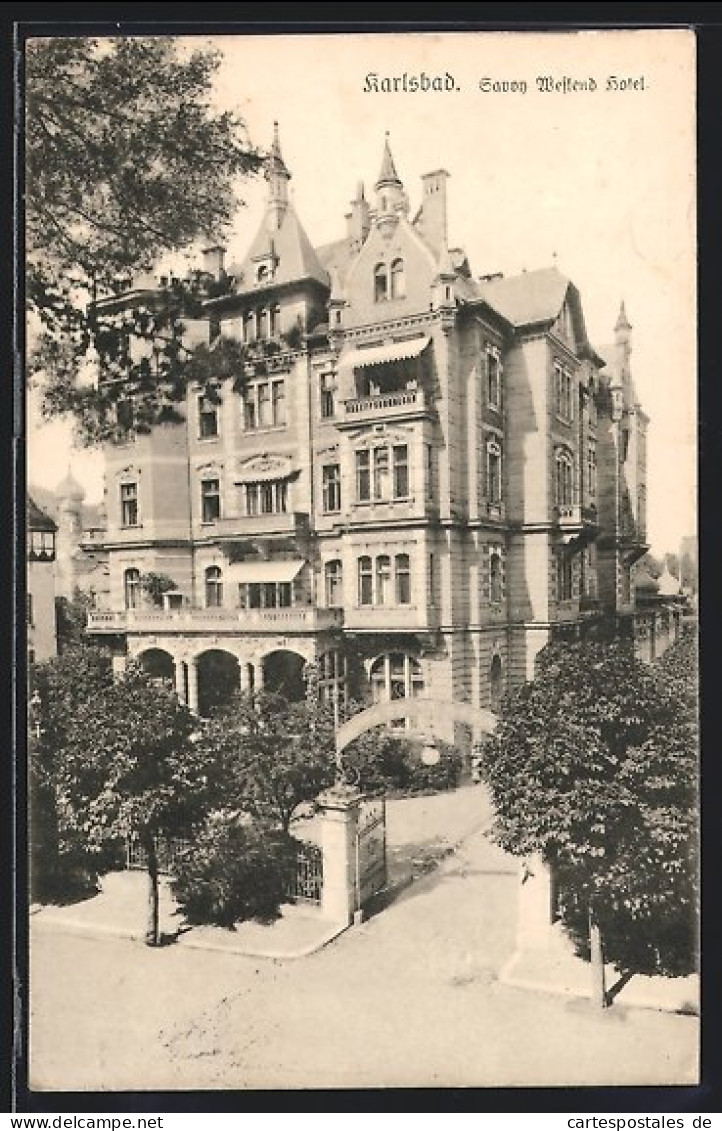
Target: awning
[380, 355]
[265, 571]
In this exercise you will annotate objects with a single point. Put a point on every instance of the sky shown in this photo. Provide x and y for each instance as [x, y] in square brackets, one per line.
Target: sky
[599, 181]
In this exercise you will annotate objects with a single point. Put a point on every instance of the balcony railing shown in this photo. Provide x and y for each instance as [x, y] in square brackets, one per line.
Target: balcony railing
[290, 522]
[401, 402]
[303, 618]
[569, 515]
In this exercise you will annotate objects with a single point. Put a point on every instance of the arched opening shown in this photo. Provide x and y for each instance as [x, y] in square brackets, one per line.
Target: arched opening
[218, 680]
[131, 588]
[159, 665]
[398, 279]
[496, 684]
[283, 675]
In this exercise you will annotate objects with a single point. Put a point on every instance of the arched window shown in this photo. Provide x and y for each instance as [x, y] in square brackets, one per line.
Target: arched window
[214, 587]
[396, 675]
[249, 326]
[403, 579]
[564, 478]
[381, 283]
[383, 579]
[334, 584]
[495, 579]
[493, 472]
[565, 570]
[131, 588]
[495, 683]
[365, 581]
[398, 279]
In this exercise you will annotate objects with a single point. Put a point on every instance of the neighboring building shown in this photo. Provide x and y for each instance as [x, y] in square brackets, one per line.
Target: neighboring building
[40, 587]
[81, 560]
[423, 479]
[661, 607]
[689, 565]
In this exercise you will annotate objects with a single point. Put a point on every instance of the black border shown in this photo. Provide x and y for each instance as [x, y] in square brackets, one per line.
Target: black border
[20, 20]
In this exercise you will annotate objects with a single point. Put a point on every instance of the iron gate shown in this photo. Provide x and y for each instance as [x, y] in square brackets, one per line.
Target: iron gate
[370, 849]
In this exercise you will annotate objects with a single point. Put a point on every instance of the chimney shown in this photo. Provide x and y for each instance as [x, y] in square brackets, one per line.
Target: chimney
[433, 208]
[358, 220]
[214, 258]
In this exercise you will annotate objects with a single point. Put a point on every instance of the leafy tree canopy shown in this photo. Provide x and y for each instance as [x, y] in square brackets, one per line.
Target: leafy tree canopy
[126, 160]
[594, 766]
[271, 754]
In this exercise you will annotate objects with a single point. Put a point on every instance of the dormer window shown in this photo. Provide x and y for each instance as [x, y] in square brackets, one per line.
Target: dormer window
[381, 283]
[263, 273]
[398, 279]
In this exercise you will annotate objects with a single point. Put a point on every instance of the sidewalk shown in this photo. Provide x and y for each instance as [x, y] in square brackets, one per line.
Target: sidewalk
[119, 911]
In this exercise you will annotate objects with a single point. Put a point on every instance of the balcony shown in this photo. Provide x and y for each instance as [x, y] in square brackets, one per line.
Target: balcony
[390, 618]
[249, 526]
[299, 619]
[576, 524]
[496, 511]
[401, 403]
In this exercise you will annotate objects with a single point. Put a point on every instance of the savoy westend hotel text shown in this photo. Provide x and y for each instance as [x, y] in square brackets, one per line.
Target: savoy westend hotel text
[423, 82]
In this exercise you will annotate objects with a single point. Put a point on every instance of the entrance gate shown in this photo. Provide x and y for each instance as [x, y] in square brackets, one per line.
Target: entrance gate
[370, 849]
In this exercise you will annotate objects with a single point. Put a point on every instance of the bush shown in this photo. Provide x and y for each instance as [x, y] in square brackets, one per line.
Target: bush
[234, 871]
[380, 760]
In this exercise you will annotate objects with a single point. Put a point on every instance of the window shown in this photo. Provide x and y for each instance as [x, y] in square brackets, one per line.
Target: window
[264, 405]
[365, 581]
[398, 279]
[29, 609]
[495, 578]
[214, 587]
[207, 418]
[129, 504]
[210, 500]
[493, 472]
[432, 580]
[495, 683]
[333, 574]
[401, 471]
[403, 579]
[265, 595]
[331, 488]
[383, 579]
[592, 468]
[381, 283]
[493, 378]
[328, 395]
[249, 326]
[396, 676]
[262, 273]
[274, 315]
[625, 584]
[131, 588]
[564, 487]
[363, 476]
[380, 467]
[270, 497]
[564, 576]
[563, 391]
[332, 678]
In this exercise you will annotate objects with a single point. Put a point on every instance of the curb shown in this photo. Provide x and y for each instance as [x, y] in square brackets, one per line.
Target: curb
[547, 986]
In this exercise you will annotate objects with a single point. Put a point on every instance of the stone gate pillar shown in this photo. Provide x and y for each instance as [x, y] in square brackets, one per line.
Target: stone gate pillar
[340, 806]
[534, 929]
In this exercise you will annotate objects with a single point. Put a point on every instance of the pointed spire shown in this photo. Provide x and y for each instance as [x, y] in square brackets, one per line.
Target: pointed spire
[278, 177]
[623, 322]
[275, 157]
[69, 488]
[388, 174]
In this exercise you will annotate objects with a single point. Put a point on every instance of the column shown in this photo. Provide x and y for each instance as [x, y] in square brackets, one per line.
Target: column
[193, 685]
[339, 822]
[179, 680]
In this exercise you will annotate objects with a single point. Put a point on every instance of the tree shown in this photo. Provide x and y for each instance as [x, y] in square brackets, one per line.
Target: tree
[594, 767]
[61, 858]
[131, 765]
[71, 618]
[155, 585]
[272, 755]
[126, 160]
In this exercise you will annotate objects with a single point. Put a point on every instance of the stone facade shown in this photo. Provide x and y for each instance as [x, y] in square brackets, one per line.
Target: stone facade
[423, 478]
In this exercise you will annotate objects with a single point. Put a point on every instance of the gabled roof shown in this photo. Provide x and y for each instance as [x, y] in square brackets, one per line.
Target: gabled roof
[37, 519]
[338, 256]
[295, 257]
[529, 298]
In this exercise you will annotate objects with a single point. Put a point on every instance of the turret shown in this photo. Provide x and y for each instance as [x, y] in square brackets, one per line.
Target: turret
[390, 195]
[278, 177]
[358, 219]
[70, 495]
